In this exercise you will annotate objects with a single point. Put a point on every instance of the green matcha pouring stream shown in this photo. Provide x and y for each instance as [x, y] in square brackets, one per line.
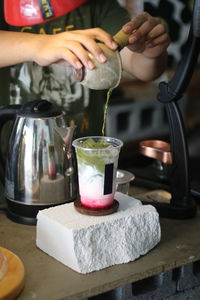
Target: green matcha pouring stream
[121, 38]
[106, 109]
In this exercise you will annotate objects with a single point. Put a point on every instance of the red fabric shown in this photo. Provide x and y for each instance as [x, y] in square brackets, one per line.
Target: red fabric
[31, 12]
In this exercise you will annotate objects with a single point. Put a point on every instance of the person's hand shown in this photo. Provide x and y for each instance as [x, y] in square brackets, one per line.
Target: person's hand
[148, 35]
[72, 47]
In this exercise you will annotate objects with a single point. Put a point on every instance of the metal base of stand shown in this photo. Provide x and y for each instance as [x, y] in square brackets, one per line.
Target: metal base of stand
[173, 212]
[161, 200]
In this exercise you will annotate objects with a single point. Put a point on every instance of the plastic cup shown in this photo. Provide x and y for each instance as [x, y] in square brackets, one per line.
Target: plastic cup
[123, 179]
[97, 169]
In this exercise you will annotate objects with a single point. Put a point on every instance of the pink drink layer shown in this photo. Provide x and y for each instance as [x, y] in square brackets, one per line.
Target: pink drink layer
[98, 202]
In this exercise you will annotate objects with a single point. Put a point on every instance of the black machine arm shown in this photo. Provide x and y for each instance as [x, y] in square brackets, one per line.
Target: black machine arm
[181, 205]
[178, 84]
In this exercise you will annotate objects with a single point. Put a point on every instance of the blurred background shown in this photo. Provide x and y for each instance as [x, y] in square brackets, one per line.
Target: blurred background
[135, 114]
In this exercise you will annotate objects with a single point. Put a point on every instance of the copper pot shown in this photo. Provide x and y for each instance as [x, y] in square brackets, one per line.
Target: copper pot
[157, 149]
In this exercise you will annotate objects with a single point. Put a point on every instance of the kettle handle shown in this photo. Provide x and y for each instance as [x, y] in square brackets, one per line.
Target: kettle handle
[7, 113]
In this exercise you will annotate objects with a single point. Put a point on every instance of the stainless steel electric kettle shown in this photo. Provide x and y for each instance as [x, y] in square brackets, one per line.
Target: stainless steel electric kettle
[40, 168]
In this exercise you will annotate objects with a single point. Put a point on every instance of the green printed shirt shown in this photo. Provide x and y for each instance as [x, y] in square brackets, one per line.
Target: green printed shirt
[55, 83]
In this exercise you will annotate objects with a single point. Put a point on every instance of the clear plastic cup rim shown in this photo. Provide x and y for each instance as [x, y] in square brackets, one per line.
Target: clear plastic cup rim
[124, 176]
[116, 143]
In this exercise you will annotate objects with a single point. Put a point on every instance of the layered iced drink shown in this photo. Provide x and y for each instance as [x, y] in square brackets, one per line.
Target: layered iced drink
[97, 159]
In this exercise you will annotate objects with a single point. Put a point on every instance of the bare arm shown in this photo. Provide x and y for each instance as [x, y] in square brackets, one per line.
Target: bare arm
[146, 54]
[15, 47]
[142, 67]
[68, 47]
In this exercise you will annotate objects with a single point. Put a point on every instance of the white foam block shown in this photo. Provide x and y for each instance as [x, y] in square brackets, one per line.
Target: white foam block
[91, 243]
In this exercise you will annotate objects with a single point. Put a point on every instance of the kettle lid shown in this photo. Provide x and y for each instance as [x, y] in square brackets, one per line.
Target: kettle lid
[39, 109]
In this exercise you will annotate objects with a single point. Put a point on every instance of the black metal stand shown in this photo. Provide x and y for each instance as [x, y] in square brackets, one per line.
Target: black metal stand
[181, 204]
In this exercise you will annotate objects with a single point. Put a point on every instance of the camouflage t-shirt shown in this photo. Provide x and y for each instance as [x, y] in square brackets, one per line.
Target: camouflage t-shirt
[29, 81]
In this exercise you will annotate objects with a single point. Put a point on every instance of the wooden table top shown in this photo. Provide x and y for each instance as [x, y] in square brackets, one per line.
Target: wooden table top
[46, 278]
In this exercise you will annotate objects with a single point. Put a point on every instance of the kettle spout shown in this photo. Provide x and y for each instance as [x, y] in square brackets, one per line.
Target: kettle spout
[66, 133]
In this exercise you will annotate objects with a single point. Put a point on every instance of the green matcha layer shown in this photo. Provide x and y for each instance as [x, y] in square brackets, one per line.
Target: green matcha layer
[93, 158]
